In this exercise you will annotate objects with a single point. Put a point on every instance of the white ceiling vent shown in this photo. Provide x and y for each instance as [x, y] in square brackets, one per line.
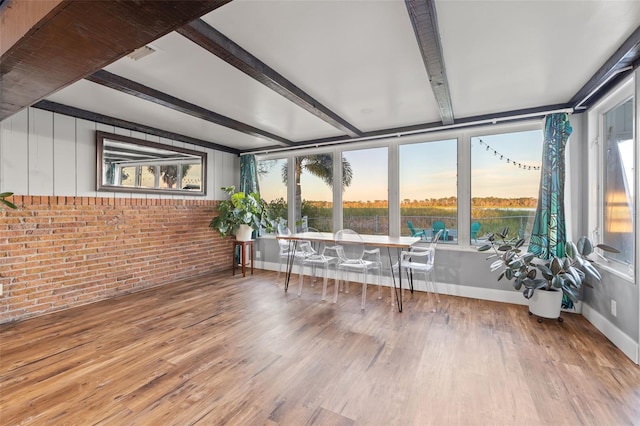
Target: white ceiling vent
[141, 52]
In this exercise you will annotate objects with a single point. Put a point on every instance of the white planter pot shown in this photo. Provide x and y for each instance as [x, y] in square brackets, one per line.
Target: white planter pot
[244, 233]
[546, 304]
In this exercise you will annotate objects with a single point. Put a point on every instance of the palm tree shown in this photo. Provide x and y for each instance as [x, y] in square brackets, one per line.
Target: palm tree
[319, 165]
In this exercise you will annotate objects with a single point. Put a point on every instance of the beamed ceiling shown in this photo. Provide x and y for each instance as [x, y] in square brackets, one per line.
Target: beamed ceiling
[244, 76]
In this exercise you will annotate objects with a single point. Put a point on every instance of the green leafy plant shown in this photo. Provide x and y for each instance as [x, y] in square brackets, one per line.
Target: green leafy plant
[529, 273]
[277, 208]
[3, 200]
[241, 209]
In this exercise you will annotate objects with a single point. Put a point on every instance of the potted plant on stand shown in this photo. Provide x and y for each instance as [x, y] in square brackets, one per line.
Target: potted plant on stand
[544, 281]
[241, 215]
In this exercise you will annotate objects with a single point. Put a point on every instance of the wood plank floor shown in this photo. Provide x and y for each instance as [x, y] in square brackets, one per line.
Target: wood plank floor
[230, 350]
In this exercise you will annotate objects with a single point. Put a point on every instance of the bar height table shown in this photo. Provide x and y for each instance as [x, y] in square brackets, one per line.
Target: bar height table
[399, 243]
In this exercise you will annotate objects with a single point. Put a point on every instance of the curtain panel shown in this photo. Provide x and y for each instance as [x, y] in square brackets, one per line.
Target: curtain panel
[549, 234]
[248, 174]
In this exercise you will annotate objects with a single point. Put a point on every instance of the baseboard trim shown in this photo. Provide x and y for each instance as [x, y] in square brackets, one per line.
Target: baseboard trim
[623, 342]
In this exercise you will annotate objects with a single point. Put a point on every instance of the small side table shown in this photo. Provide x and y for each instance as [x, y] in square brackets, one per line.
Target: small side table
[243, 253]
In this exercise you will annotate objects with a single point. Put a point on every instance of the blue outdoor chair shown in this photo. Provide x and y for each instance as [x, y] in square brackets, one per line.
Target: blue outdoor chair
[440, 226]
[416, 232]
[475, 227]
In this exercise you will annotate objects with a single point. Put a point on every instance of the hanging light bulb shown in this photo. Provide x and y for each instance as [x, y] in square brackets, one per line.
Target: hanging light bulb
[509, 161]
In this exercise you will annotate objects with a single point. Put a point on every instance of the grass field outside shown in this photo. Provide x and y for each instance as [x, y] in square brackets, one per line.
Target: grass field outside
[375, 220]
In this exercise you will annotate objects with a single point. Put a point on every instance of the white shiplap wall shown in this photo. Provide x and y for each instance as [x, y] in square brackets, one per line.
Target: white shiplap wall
[44, 153]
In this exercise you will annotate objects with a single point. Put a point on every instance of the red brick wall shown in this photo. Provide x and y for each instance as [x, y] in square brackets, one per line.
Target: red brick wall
[60, 252]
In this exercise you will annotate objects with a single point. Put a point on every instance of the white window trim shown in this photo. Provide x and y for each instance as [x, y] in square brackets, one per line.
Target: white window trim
[594, 192]
[465, 221]
[464, 171]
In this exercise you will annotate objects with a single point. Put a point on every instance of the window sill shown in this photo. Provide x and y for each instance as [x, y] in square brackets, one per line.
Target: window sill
[618, 272]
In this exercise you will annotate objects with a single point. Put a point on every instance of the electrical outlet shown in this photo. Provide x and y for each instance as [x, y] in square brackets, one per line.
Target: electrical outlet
[257, 254]
[1, 290]
[614, 310]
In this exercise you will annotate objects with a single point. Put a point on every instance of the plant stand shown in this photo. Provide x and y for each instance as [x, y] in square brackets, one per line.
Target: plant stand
[546, 304]
[243, 245]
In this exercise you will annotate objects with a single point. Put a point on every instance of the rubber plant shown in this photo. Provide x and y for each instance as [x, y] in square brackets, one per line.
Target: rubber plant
[530, 273]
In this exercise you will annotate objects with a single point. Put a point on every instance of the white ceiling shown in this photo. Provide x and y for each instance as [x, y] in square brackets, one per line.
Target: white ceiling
[361, 60]
[508, 55]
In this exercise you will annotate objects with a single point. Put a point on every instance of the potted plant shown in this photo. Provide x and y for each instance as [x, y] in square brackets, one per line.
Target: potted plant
[241, 214]
[3, 200]
[7, 203]
[556, 276]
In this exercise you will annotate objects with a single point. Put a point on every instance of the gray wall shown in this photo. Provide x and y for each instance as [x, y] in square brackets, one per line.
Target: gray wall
[626, 296]
[456, 267]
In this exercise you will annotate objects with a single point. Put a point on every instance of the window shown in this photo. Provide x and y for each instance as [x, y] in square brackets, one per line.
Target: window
[272, 183]
[428, 188]
[505, 180]
[617, 182]
[313, 191]
[365, 200]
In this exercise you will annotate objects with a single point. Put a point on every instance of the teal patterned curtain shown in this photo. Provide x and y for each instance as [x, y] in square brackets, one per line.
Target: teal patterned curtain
[248, 174]
[549, 233]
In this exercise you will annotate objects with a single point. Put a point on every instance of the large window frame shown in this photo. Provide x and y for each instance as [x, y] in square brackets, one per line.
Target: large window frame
[596, 165]
[278, 196]
[431, 213]
[502, 160]
[366, 215]
[463, 137]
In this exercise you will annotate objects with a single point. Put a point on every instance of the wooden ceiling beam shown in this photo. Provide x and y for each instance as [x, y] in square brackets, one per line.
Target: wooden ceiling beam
[226, 49]
[18, 17]
[138, 90]
[129, 125]
[60, 42]
[424, 21]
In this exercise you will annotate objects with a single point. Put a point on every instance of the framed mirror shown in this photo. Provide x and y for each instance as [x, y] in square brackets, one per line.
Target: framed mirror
[133, 165]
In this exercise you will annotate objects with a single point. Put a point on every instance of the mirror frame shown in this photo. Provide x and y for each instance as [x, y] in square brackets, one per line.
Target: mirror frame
[100, 186]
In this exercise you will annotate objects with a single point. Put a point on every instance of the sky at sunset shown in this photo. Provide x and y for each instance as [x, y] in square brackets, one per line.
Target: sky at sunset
[428, 170]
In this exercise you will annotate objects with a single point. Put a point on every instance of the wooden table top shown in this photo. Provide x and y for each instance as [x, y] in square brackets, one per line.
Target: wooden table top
[367, 239]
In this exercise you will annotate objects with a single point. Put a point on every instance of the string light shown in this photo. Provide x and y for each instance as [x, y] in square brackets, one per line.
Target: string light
[509, 160]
